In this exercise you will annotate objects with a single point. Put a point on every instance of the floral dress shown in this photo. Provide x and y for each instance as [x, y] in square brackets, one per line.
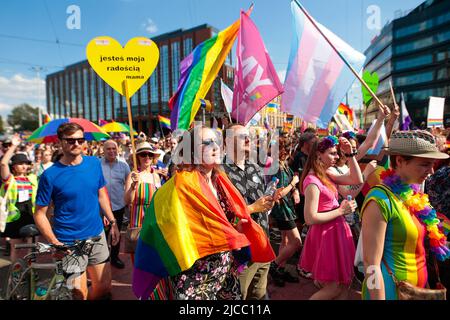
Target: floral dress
[214, 277]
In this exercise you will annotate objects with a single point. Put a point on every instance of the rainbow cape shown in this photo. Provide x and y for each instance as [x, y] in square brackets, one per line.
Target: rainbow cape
[198, 71]
[185, 223]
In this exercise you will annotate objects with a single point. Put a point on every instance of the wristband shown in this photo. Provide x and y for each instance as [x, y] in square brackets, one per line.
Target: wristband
[112, 222]
[350, 155]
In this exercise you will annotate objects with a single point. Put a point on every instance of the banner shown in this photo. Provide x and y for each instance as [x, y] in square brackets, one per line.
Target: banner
[436, 112]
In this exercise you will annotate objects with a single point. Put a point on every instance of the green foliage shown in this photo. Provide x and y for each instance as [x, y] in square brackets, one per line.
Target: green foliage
[24, 118]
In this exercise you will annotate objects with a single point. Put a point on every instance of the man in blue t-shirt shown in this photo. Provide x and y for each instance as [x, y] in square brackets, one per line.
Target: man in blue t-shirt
[76, 186]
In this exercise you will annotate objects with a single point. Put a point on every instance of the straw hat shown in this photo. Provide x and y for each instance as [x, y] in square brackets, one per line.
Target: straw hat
[414, 143]
[146, 147]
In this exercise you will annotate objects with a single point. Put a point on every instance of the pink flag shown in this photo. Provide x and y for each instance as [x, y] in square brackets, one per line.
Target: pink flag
[256, 82]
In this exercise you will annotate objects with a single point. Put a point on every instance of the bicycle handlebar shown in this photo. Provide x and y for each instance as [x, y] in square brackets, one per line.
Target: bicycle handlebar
[76, 245]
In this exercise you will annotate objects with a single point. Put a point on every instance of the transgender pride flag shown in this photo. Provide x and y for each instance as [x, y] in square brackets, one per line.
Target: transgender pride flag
[317, 79]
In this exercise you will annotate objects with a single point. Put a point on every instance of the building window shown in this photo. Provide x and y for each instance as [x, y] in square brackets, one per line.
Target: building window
[443, 73]
[144, 99]
[94, 95]
[109, 97]
[414, 79]
[73, 94]
[101, 99]
[187, 46]
[384, 56]
[164, 73]
[381, 43]
[384, 85]
[175, 65]
[154, 94]
[79, 95]
[413, 62]
[422, 26]
[423, 43]
[87, 106]
[67, 91]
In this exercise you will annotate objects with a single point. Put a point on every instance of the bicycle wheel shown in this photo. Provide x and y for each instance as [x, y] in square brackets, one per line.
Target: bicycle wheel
[18, 283]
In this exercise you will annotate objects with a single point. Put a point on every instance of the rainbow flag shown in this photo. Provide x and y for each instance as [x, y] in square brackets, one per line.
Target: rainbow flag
[346, 111]
[165, 122]
[198, 71]
[185, 222]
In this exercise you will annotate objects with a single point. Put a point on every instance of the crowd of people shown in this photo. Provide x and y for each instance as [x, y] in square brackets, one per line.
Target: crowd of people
[202, 219]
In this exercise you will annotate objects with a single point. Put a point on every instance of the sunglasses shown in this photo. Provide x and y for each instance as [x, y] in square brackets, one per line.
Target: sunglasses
[209, 142]
[72, 141]
[146, 154]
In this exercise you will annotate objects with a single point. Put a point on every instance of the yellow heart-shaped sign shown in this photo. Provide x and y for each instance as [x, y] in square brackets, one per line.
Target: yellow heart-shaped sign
[114, 64]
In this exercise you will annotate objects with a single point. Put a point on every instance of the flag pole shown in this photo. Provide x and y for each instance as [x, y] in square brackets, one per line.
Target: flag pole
[381, 105]
[130, 120]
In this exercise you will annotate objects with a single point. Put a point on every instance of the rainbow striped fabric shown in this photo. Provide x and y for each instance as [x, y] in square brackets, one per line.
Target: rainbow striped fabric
[185, 223]
[165, 122]
[198, 71]
[404, 249]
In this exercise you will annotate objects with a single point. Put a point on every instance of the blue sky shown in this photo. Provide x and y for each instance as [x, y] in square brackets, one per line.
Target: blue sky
[23, 21]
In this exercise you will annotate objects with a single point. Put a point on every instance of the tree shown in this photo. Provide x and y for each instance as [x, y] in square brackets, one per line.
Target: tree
[24, 118]
[2, 129]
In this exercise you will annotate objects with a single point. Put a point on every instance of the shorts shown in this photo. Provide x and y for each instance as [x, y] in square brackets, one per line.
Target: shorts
[286, 225]
[77, 263]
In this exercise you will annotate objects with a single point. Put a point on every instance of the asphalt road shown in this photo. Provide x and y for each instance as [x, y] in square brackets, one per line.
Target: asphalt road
[121, 284]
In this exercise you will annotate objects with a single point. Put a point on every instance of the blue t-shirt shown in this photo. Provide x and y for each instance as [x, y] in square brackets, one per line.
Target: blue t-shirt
[74, 192]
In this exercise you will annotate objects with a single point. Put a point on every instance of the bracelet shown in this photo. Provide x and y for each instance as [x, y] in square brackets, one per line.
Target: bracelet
[112, 222]
[350, 155]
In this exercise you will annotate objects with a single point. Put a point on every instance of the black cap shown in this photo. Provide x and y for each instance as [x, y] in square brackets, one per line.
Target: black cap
[19, 158]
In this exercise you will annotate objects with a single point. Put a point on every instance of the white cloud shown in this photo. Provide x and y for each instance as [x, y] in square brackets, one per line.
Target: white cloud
[20, 89]
[150, 26]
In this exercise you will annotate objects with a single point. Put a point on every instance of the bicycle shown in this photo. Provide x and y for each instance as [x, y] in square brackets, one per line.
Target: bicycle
[23, 283]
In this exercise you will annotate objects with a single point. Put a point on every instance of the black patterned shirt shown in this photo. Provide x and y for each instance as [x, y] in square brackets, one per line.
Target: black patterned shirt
[251, 184]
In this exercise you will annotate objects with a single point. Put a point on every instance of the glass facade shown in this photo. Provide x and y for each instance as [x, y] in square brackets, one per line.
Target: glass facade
[414, 78]
[423, 43]
[413, 62]
[384, 56]
[175, 48]
[164, 60]
[94, 95]
[87, 106]
[381, 43]
[187, 46]
[144, 99]
[109, 102]
[101, 99]
[154, 92]
[422, 26]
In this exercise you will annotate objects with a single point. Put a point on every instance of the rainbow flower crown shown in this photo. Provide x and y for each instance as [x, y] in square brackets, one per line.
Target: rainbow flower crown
[349, 135]
[327, 142]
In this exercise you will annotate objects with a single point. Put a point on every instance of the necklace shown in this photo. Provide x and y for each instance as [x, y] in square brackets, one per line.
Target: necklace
[418, 204]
